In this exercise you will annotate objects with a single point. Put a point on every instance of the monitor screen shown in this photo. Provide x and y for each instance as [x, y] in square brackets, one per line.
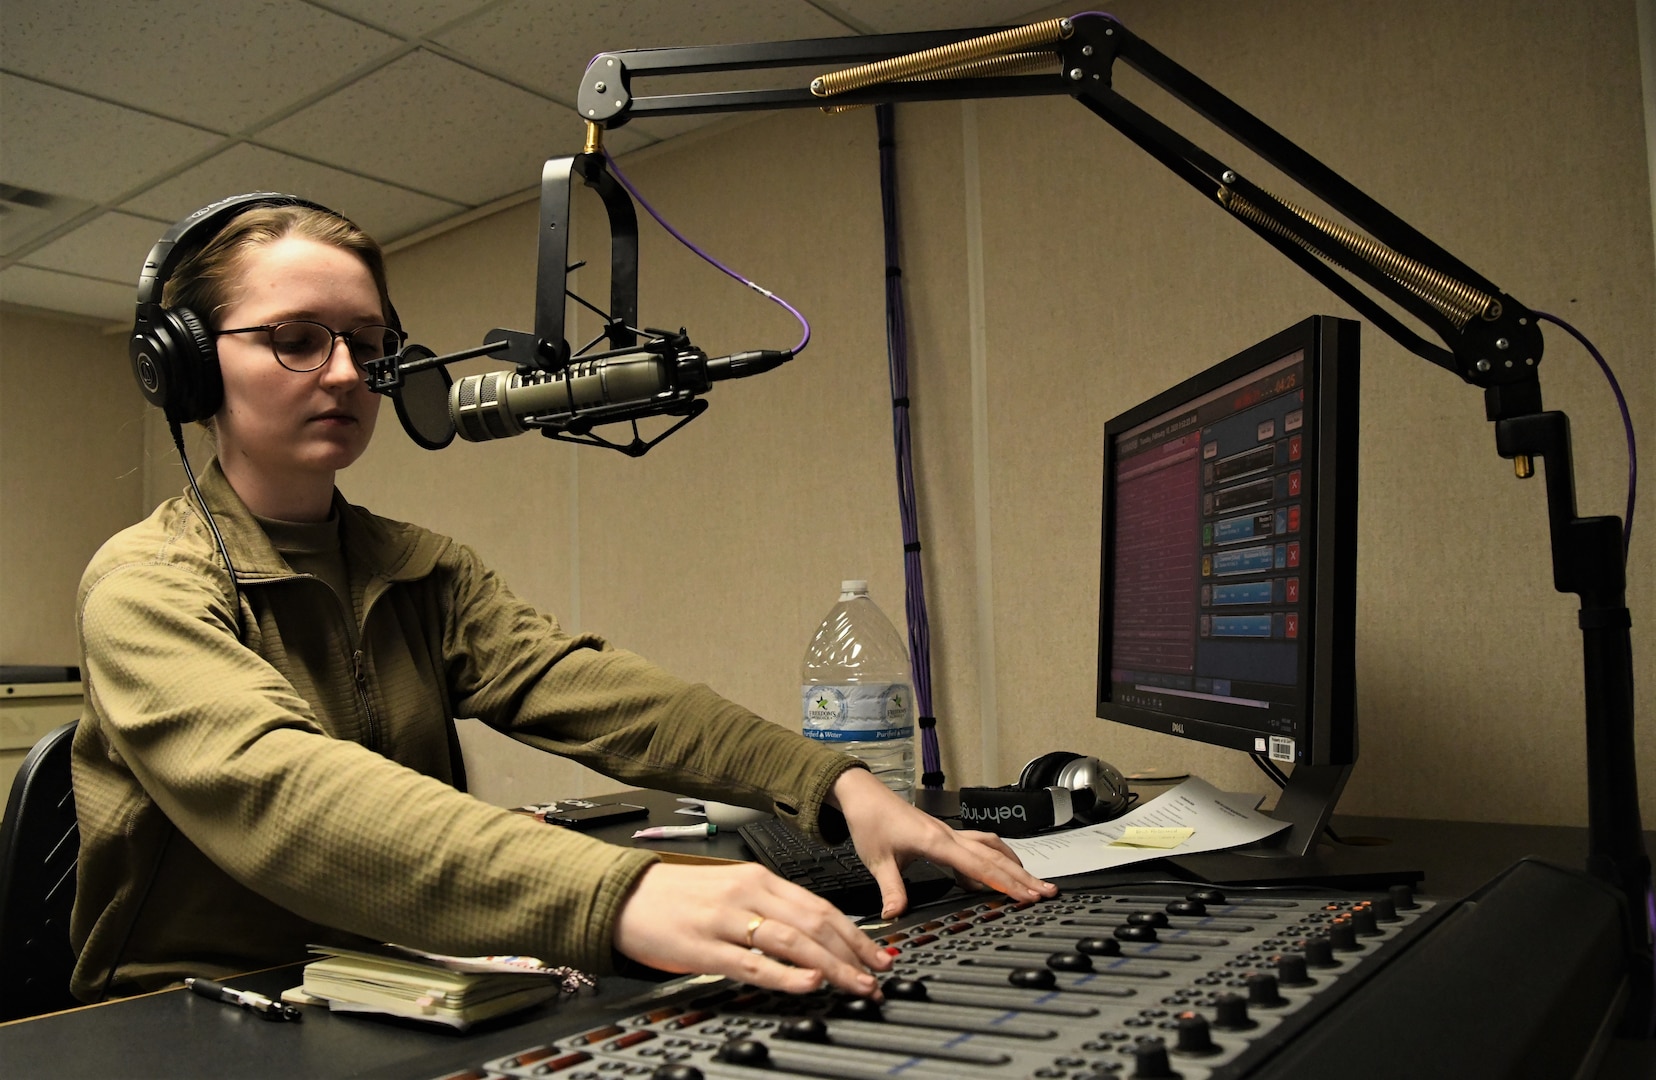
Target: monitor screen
[1227, 608]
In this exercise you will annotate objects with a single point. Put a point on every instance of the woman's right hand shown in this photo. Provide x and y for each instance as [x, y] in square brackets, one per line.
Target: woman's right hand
[745, 923]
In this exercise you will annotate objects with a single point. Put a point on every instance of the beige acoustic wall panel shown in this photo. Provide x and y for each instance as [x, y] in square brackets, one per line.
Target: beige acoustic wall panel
[71, 433]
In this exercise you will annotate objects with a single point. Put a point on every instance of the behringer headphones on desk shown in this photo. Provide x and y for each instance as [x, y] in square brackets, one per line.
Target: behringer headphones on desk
[1055, 789]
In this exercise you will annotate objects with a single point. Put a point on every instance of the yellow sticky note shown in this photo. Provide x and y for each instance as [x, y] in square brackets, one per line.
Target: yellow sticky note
[1151, 837]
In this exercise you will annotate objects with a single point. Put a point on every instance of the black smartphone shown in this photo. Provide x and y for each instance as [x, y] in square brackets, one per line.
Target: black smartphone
[590, 817]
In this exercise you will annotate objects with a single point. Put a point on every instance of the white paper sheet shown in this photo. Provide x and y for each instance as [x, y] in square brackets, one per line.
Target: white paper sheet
[1221, 820]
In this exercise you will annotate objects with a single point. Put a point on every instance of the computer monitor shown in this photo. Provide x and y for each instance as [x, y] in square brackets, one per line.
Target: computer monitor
[1227, 612]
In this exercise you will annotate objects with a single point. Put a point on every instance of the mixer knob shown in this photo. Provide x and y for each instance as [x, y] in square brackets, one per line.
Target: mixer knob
[749, 1052]
[1150, 1061]
[1342, 935]
[1099, 946]
[1364, 923]
[1186, 907]
[1069, 961]
[680, 1071]
[809, 1029]
[1384, 910]
[1262, 990]
[1147, 918]
[899, 989]
[1206, 896]
[1319, 953]
[856, 1008]
[1402, 897]
[1230, 1013]
[1136, 933]
[1033, 978]
[1193, 1035]
[1290, 970]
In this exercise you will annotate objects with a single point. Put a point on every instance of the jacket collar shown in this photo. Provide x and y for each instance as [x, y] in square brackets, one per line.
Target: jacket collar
[374, 546]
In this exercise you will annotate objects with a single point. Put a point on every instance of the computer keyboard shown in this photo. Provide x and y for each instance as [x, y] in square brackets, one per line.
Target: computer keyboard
[833, 871]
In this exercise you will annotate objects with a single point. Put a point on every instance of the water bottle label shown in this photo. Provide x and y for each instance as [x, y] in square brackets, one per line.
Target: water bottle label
[862, 712]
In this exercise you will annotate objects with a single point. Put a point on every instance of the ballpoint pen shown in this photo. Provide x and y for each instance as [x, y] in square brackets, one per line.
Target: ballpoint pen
[247, 999]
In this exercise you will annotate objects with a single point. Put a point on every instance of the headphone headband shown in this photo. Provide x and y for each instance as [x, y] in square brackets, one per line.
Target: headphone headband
[172, 249]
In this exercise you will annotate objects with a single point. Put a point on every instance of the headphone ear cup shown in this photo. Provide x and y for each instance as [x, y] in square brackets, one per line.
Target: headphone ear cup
[176, 365]
[1043, 771]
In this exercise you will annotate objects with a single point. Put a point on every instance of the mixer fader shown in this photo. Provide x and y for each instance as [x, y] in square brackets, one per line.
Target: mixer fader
[1141, 982]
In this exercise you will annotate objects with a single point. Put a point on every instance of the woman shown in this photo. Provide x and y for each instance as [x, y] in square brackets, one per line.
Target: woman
[267, 763]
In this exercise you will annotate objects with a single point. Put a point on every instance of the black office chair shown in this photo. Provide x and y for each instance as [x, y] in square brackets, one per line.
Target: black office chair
[39, 847]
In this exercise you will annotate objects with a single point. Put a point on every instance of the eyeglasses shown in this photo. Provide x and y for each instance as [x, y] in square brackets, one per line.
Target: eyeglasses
[301, 345]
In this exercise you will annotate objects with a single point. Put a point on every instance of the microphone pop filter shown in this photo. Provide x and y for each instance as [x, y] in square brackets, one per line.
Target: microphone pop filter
[422, 401]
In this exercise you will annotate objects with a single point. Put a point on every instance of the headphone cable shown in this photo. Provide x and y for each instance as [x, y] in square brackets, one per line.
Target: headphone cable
[235, 585]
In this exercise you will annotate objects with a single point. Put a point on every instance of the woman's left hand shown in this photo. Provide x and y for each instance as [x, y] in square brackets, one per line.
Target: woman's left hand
[889, 833]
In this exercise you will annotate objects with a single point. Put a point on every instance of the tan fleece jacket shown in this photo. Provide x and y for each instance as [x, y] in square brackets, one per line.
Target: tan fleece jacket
[239, 799]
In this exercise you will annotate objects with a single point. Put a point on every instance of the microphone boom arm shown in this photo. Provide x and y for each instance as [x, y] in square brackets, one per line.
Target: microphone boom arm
[1489, 339]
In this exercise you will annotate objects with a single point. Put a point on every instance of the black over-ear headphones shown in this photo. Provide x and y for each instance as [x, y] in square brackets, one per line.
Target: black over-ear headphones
[173, 355]
[1059, 788]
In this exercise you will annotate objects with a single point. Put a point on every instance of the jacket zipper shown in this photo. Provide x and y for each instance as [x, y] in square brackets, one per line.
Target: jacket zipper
[359, 674]
[361, 679]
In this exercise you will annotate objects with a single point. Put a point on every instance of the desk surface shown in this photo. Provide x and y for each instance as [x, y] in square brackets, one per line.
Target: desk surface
[175, 1033]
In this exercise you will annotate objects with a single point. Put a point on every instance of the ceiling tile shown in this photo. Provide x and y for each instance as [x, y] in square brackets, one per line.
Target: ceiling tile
[436, 126]
[66, 144]
[902, 16]
[547, 45]
[222, 66]
[410, 18]
[53, 291]
[111, 246]
[385, 211]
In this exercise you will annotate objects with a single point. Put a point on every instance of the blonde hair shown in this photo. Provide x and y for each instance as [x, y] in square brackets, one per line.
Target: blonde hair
[204, 281]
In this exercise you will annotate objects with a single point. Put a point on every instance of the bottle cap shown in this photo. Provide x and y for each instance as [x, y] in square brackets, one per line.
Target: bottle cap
[857, 586]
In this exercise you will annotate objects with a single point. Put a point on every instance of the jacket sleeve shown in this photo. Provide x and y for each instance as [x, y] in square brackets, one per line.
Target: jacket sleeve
[615, 712]
[324, 827]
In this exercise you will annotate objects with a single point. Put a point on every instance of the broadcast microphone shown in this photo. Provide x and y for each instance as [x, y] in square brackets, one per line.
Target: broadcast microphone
[603, 390]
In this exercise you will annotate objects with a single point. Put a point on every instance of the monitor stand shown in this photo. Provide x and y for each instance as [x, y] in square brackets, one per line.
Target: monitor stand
[1301, 854]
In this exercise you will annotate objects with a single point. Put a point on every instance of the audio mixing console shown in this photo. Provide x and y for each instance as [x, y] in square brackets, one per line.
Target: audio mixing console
[1141, 982]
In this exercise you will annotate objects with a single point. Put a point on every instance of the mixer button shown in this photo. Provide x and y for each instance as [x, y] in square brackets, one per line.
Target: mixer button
[1032, 978]
[1135, 933]
[1148, 918]
[1384, 910]
[804, 1029]
[1319, 953]
[856, 1008]
[1206, 896]
[1069, 961]
[1363, 921]
[905, 990]
[677, 1072]
[1098, 946]
[1402, 897]
[1342, 935]
[749, 1052]
[1262, 991]
[1150, 1061]
[1193, 1035]
[1290, 970]
[1186, 907]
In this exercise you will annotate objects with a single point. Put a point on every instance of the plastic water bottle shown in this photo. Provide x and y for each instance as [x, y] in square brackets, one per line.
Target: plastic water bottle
[855, 691]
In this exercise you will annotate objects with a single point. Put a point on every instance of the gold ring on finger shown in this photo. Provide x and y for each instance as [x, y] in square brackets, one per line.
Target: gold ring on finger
[753, 925]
